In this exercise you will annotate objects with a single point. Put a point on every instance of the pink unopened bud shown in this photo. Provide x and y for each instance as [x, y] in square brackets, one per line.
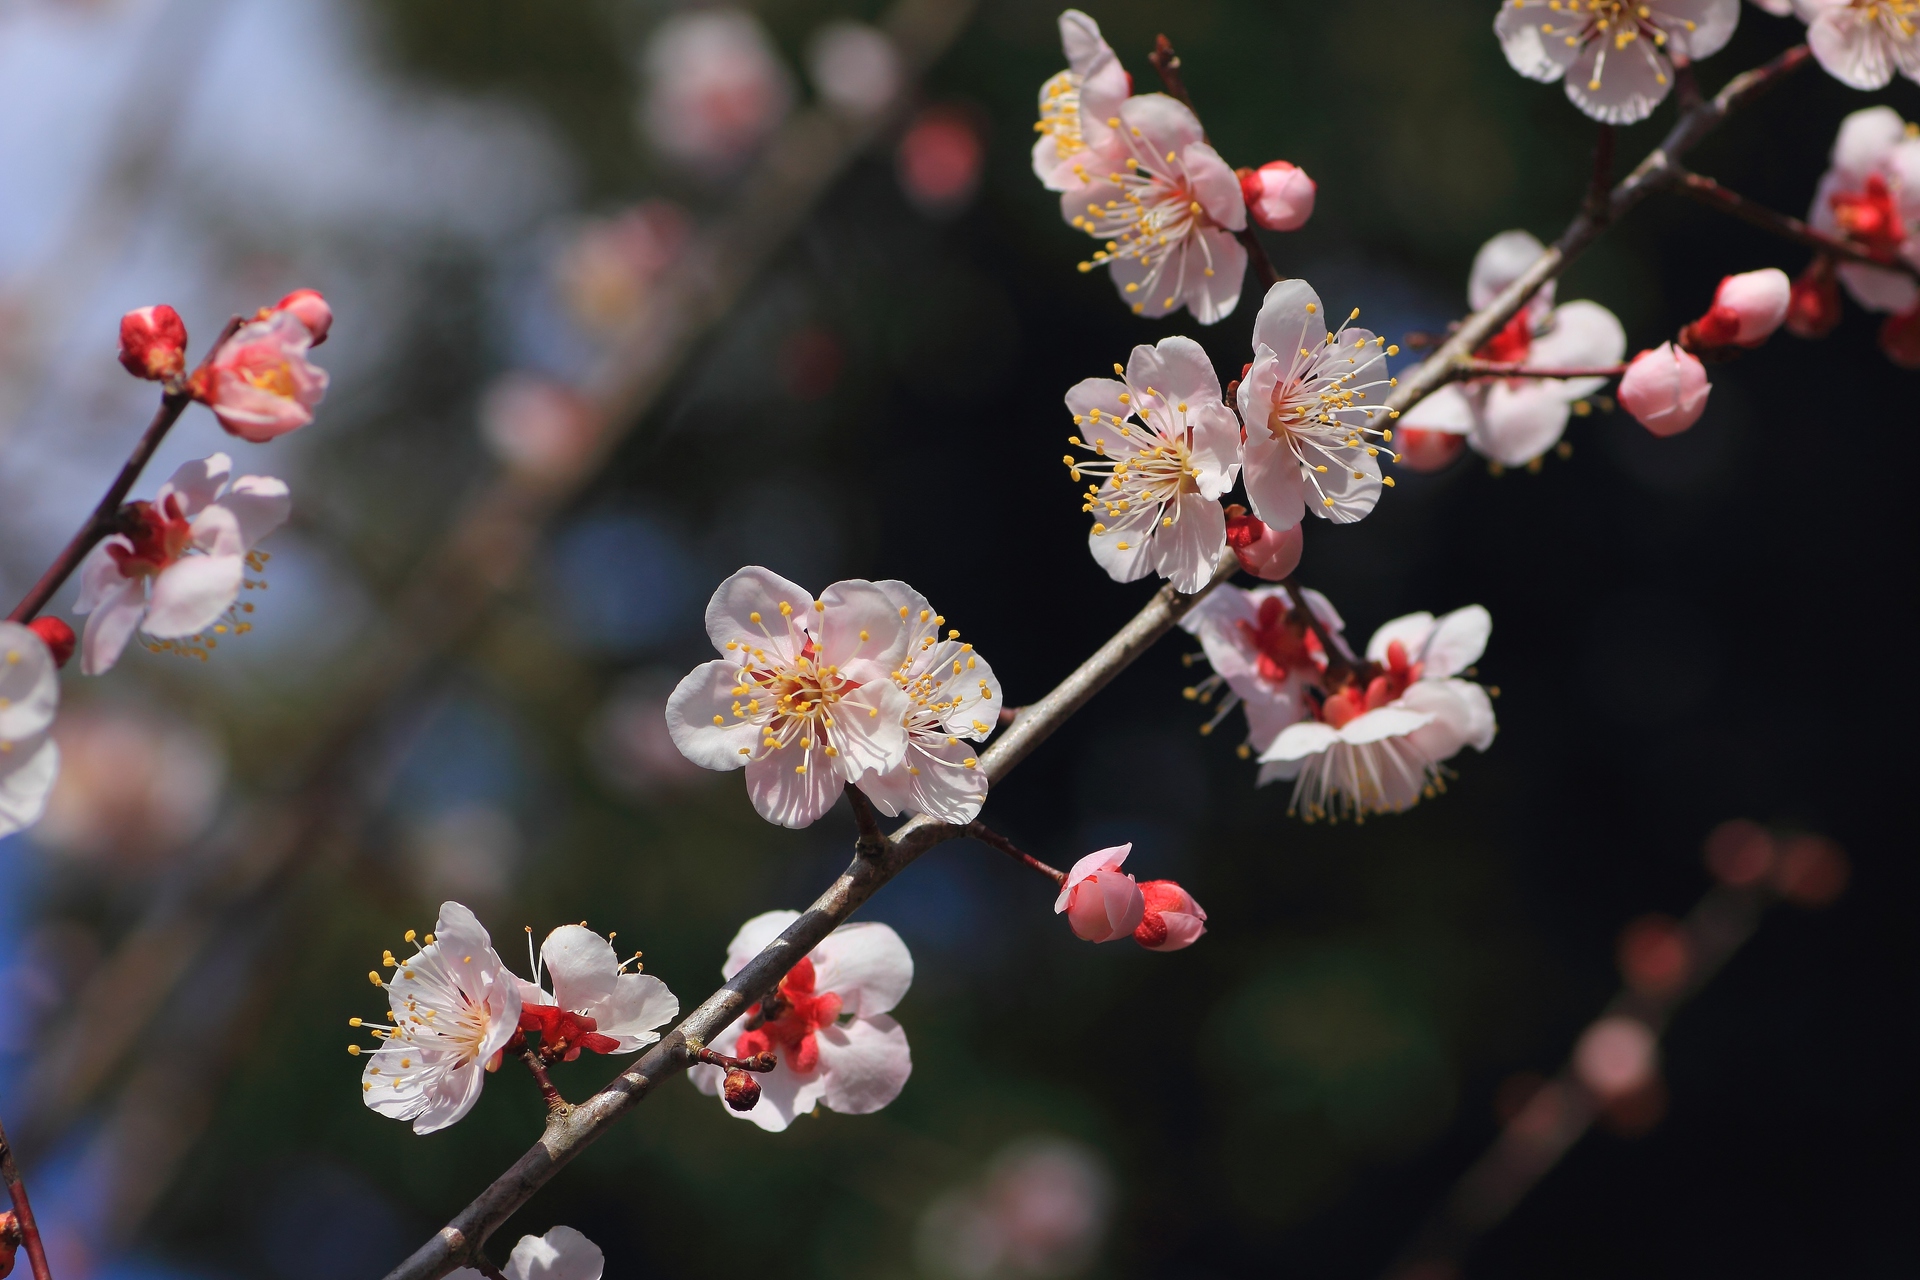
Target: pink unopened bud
[1101, 903]
[741, 1090]
[1424, 449]
[1263, 551]
[153, 343]
[1900, 338]
[311, 310]
[1814, 309]
[1279, 195]
[56, 635]
[1172, 919]
[1666, 389]
[1746, 309]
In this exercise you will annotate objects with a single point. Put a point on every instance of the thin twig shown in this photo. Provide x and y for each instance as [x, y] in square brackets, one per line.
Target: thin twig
[479, 1262]
[758, 1062]
[993, 839]
[556, 1105]
[1714, 196]
[23, 1211]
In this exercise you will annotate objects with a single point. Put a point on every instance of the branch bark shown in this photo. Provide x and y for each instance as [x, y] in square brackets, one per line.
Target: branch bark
[994, 840]
[23, 1211]
[1714, 196]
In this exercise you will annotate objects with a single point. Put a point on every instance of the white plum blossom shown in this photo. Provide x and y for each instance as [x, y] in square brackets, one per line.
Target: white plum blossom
[453, 1007]
[1871, 194]
[595, 1003]
[1861, 43]
[1512, 421]
[827, 1023]
[1616, 56]
[955, 697]
[804, 697]
[561, 1254]
[1267, 658]
[716, 89]
[1165, 211]
[1378, 748]
[1080, 108]
[29, 697]
[178, 563]
[1311, 405]
[1165, 447]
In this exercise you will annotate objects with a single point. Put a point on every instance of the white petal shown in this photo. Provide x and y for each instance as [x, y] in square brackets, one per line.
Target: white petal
[640, 1004]
[1271, 475]
[1849, 44]
[1290, 318]
[1410, 630]
[1456, 642]
[1535, 55]
[860, 623]
[1618, 85]
[190, 594]
[1123, 544]
[754, 937]
[1215, 186]
[1297, 742]
[100, 576]
[1521, 420]
[869, 726]
[260, 504]
[1214, 271]
[27, 773]
[790, 796]
[197, 482]
[561, 1254]
[1713, 23]
[1386, 722]
[1865, 142]
[581, 965]
[1187, 552]
[756, 590]
[29, 683]
[1178, 370]
[866, 965]
[704, 693]
[111, 625]
[1500, 262]
[865, 1064]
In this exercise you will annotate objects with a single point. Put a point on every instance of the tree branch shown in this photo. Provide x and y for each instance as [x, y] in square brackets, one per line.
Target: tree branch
[1711, 194]
[1494, 369]
[993, 839]
[873, 842]
[23, 1211]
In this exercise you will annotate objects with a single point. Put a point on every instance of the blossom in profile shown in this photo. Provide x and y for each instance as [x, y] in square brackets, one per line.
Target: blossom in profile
[1870, 194]
[1159, 447]
[1861, 43]
[804, 697]
[827, 1024]
[260, 384]
[177, 564]
[1263, 551]
[1512, 421]
[1101, 902]
[29, 698]
[1261, 647]
[1665, 389]
[453, 1006]
[716, 89]
[561, 1254]
[594, 1002]
[1080, 108]
[1377, 744]
[153, 343]
[1165, 207]
[1172, 921]
[1747, 309]
[955, 701]
[1616, 56]
[310, 308]
[1279, 195]
[1311, 402]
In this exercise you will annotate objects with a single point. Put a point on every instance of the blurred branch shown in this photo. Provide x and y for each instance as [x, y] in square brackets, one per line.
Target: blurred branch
[22, 1212]
[566, 1136]
[1495, 369]
[994, 840]
[1660, 170]
[1711, 194]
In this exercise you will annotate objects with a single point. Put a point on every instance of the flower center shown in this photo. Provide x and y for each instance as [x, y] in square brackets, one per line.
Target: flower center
[788, 1020]
[1318, 412]
[793, 702]
[1282, 645]
[1870, 215]
[160, 535]
[1385, 686]
[1150, 479]
[1060, 114]
[1511, 344]
[275, 378]
[1154, 214]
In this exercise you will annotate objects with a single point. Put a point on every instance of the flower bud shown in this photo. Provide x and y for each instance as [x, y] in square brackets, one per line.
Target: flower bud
[1746, 309]
[741, 1090]
[1666, 389]
[1172, 919]
[1262, 550]
[56, 635]
[1900, 338]
[1425, 449]
[1813, 311]
[1279, 195]
[311, 310]
[153, 343]
[10, 1237]
[1101, 903]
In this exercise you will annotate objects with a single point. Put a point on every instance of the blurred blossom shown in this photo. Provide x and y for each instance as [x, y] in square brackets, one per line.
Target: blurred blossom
[1041, 1209]
[604, 272]
[854, 67]
[716, 89]
[1739, 852]
[1868, 195]
[537, 426]
[628, 742]
[1617, 1056]
[1665, 389]
[1655, 957]
[1812, 871]
[467, 852]
[939, 160]
[135, 786]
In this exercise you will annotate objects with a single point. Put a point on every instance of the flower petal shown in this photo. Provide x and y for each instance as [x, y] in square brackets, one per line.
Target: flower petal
[1456, 642]
[859, 622]
[1410, 630]
[869, 725]
[561, 1254]
[260, 505]
[1290, 318]
[1500, 262]
[1618, 84]
[27, 773]
[29, 683]
[866, 965]
[703, 695]
[111, 625]
[581, 966]
[755, 936]
[1215, 185]
[197, 482]
[1520, 420]
[865, 1064]
[756, 590]
[1186, 552]
[190, 594]
[640, 1004]
[793, 786]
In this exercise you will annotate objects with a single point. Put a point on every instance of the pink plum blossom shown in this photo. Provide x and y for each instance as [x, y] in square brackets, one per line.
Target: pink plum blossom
[153, 343]
[1101, 903]
[310, 309]
[1080, 109]
[1310, 402]
[1165, 211]
[1379, 748]
[1165, 446]
[854, 66]
[1279, 195]
[1038, 1212]
[1870, 194]
[178, 562]
[1746, 311]
[1172, 921]
[1616, 56]
[804, 699]
[716, 89]
[454, 1006]
[1512, 421]
[259, 383]
[1616, 1056]
[1263, 551]
[561, 1254]
[1861, 43]
[1267, 658]
[955, 697]
[595, 1003]
[1665, 389]
[827, 1023]
[29, 698]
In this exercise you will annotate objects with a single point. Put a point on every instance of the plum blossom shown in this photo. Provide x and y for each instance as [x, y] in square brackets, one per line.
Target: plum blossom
[310, 308]
[1814, 308]
[1665, 389]
[1172, 920]
[855, 67]
[453, 1007]
[260, 384]
[1378, 746]
[1309, 426]
[1165, 447]
[1263, 551]
[595, 1003]
[805, 698]
[827, 1023]
[1870, 194]
[1101, 902]
[561, 1254]
[178, 562]
[1862, 43]
[1265, 654]
[29, 697]
[1747, 309]
[1038, 1212]
[955, 696]
[1079, 109]
[153, 343]
[1512, 421]
[1279, 195]
[1616, 56]
[1165, 211]
[715, 88]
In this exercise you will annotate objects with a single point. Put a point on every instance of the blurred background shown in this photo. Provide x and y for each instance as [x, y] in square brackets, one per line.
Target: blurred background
[629, 294]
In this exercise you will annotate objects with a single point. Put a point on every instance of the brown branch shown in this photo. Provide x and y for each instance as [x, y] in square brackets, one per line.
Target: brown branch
[23, 1211]
[993, 839]
[480, 1263]
[758, 1062]
[1495, 369]
[1710, 193]
[1601, 184]
[872, 841]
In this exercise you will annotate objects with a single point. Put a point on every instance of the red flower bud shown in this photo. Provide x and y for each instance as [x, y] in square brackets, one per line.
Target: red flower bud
[1263, 551]
[1279, 195]
[56, 635]
[1900, 338]
[153, 343]
[1747, 308]
[1424, 449]
[1173, 920]
[1814, 309]
[311, 310]
[741, 1090]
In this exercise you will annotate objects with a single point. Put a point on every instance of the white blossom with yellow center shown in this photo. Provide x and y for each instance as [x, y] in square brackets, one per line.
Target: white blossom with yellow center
[1616, 56]
[1076, 106]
